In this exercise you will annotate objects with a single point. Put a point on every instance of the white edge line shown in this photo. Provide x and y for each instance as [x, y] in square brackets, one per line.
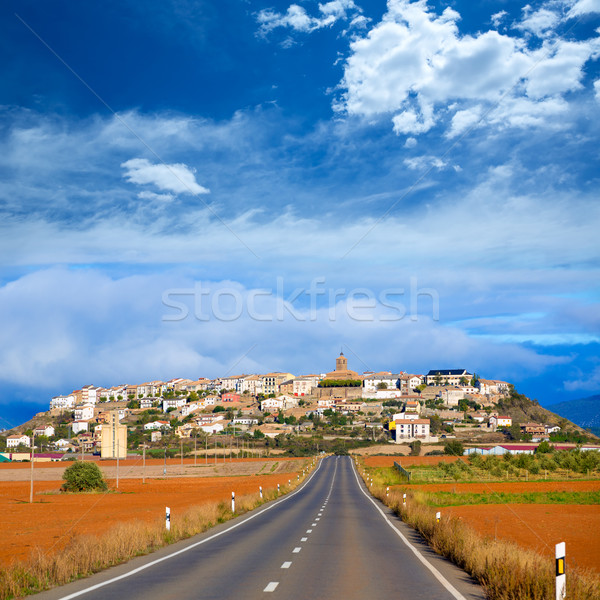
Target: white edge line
[208, 539]
[425, 562]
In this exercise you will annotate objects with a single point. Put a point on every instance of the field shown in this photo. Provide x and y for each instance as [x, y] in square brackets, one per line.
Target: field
[55, 518]
[534, 514]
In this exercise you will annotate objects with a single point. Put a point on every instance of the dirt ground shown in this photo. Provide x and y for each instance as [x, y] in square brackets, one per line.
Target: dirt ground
[134, 469]
[540, 527]
[513, 487]
[53, 518]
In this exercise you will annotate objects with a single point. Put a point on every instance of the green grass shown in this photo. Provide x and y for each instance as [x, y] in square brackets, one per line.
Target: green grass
[463, 499]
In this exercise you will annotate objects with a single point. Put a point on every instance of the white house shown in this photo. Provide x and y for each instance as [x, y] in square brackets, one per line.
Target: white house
[149, 402]
[213, 428]
[272, 404]
[12, 441]
[406, 416]
[173, 403]
[187, 409]
[246, 421]
[157, 425]
[499, 421]
[47, 430]
[62, 444]
[303, 385]
[62, 402]
[447, 376]
[84, 412]
[384, 380]
[415, 429]
[79, 426]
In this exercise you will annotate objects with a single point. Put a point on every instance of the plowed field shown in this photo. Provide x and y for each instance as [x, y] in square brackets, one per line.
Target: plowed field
[53, 518]
[540, 527]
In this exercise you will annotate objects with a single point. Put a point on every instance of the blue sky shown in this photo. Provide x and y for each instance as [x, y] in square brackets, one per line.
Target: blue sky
[198, 188]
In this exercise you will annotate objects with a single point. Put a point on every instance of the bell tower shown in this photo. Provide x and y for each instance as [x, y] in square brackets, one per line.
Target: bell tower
[341, 363]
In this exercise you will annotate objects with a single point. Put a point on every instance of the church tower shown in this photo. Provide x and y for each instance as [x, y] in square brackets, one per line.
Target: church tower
[341, 363]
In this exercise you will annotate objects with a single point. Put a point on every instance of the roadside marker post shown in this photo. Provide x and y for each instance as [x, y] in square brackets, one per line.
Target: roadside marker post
[438, 516]
[387, 491]
[260, 491]
[167, 518]
[277, 489]
[403, 498]
[232, 502]
[561, 577]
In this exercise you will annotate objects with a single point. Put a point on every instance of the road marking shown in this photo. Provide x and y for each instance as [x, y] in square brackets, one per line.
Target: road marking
[309, 531]
[304, 539]
[271, 587]
[314, 524]
[318, 519]
[296, 550]
[425, 562]
[253, 515]
[287, 564]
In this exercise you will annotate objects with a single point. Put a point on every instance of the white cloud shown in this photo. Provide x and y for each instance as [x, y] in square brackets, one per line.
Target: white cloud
[583, 7]
[298, 19]
[540, 22]
[597, 89]
[498, 17]
[145, 195]
[425, 162]
[411, 142]
[416, 65]
[463, 120]
[176, 178]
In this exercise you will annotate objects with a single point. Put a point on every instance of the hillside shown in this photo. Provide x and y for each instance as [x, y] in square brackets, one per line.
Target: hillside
[523, 410]
[585, 412]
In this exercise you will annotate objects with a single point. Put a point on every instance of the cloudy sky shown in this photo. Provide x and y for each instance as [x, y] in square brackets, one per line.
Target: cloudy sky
[206, 187]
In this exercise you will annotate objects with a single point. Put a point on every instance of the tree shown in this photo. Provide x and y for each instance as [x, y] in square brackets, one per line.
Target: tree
[83, 477]
[415, 448]
[382, 385]
[544, 448]
[454, 448]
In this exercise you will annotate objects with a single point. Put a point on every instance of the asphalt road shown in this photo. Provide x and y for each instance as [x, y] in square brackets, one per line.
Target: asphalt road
[327, 540]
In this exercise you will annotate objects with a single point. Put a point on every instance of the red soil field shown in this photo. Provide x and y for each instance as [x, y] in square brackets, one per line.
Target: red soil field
[540, 527]
[53, 518]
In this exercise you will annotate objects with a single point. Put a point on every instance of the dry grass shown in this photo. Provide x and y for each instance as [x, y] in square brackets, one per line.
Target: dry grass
[86, 554]
[506, 571]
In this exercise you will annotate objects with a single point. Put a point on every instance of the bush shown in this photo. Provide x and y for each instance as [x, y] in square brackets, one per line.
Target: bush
[454, 448]
[83, 477]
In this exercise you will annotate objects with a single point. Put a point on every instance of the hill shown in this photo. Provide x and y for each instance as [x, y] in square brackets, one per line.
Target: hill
[585, 412]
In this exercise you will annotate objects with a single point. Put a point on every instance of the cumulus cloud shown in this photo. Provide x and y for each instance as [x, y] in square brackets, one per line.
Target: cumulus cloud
[297, 19]
[416, 65]
[176, 178]
[583, 7]
[540, 22]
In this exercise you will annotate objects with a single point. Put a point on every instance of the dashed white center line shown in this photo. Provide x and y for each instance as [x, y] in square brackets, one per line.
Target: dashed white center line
[309, 531]
[296, 549]
[287, 564]
[271, 586]
[314, 524]
[304, 539]
[318, 519]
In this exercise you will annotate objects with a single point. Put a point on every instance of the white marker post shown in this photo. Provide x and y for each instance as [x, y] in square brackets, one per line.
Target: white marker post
[561, 578]
[232, 502]
[387, 490]
[167, 518]
[260, 491]
[277, 488]
[403, 498]
[438, 516]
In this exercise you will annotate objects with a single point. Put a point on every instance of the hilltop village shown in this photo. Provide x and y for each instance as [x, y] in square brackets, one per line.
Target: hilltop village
[398, 407]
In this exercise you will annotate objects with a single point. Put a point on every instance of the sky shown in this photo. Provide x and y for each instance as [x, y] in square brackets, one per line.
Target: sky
[196, 188]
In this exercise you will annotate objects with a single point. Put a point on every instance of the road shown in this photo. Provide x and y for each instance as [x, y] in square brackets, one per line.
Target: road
[328, 539]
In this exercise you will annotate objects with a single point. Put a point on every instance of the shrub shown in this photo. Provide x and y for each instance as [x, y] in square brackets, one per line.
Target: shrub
[454, 448]
[83, 477]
